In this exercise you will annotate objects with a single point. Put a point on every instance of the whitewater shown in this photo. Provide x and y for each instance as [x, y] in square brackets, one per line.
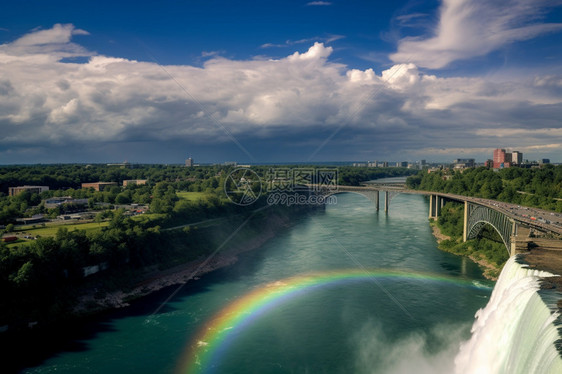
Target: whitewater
[515, 332]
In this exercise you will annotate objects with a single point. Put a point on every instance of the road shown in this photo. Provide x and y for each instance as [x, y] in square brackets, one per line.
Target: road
[539, 218]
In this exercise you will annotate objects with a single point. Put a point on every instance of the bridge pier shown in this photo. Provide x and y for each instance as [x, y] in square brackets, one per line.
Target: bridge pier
[436, 202]
[431, 214]
[377, 199]
[513, 241]
[465, 222]
[386, 201]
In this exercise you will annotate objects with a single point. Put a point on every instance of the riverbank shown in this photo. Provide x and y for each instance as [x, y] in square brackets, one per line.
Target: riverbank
[490, 270]
[154, 280]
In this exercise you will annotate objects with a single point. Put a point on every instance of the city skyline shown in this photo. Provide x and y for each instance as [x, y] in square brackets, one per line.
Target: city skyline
[291, 81]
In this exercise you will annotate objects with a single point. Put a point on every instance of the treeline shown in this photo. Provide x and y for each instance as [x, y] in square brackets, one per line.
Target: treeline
[66, 180]
[539, 188]
[354, 176]
[38, 280]
[71, 176]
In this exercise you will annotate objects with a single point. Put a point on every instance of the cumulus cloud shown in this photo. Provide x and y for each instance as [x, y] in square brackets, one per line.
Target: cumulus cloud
[292, 104]
[470, 28]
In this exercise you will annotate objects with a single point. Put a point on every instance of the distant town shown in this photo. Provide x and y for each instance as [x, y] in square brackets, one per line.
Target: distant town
[501, 159]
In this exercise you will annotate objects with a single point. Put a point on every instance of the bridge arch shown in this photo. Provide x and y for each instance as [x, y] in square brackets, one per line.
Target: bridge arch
[477, 216]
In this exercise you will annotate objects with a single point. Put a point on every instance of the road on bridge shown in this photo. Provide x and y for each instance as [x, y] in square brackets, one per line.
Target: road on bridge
[538, 218]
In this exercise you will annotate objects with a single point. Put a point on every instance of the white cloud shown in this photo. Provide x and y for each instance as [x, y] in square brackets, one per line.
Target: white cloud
[326, 39]
[470, 28]
[47, 45]
[59, 34]
[299, 100]
[319, 3]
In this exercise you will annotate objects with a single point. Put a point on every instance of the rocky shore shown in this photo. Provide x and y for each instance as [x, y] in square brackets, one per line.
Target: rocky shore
[191, 271]
[490, 271]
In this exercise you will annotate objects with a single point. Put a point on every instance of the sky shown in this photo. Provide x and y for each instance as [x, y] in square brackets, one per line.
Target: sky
[279, 80]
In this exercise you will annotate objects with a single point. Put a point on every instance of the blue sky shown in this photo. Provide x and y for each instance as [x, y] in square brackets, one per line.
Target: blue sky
[279, 81]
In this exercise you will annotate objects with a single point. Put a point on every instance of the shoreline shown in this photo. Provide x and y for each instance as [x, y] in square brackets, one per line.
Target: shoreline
[157, 280]
[486, 267]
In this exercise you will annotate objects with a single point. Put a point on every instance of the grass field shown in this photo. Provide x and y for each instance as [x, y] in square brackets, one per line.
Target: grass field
[52, 229]
[192, 196]
[147, 217]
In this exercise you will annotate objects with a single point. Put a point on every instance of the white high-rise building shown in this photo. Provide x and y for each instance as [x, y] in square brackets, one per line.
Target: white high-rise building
[516, 158]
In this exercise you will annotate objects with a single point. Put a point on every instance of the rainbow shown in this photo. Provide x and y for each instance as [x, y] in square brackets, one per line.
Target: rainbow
[213, 338]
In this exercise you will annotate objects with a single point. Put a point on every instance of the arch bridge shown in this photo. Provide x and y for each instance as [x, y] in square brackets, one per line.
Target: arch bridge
[476, 216]
[477, 212]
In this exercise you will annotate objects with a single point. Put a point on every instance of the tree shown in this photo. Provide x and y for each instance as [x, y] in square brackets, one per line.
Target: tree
[99, 218]
[24, 274]
[10, 227]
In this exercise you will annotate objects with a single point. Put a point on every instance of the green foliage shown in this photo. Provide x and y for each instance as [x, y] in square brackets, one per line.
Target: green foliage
[488, 246]
[66, 180]
[354, 176]
[451, 219]
[541, 188]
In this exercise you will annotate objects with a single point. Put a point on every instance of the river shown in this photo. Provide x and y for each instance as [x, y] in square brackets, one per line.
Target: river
[344, 290]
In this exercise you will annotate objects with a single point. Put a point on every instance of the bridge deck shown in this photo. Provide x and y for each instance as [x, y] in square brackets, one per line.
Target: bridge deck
[520, 214]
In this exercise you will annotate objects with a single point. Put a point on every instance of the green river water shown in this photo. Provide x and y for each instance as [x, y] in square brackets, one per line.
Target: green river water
[375, 296]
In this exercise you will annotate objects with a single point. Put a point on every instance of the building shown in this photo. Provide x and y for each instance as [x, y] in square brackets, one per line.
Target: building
[516, 158]
[99, 186]
[463, 163]
[500, 159]
[38, 218]
[13, 191]
[54, 202]
[134, 182]
[122, 165]
[503, 159]
[189, 162]
[544, 161]
[404, 164]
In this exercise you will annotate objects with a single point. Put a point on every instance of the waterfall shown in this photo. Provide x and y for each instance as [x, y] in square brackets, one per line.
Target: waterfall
[515, 332]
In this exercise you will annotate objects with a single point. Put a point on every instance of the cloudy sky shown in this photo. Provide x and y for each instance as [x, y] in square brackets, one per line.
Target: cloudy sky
[279, 80]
